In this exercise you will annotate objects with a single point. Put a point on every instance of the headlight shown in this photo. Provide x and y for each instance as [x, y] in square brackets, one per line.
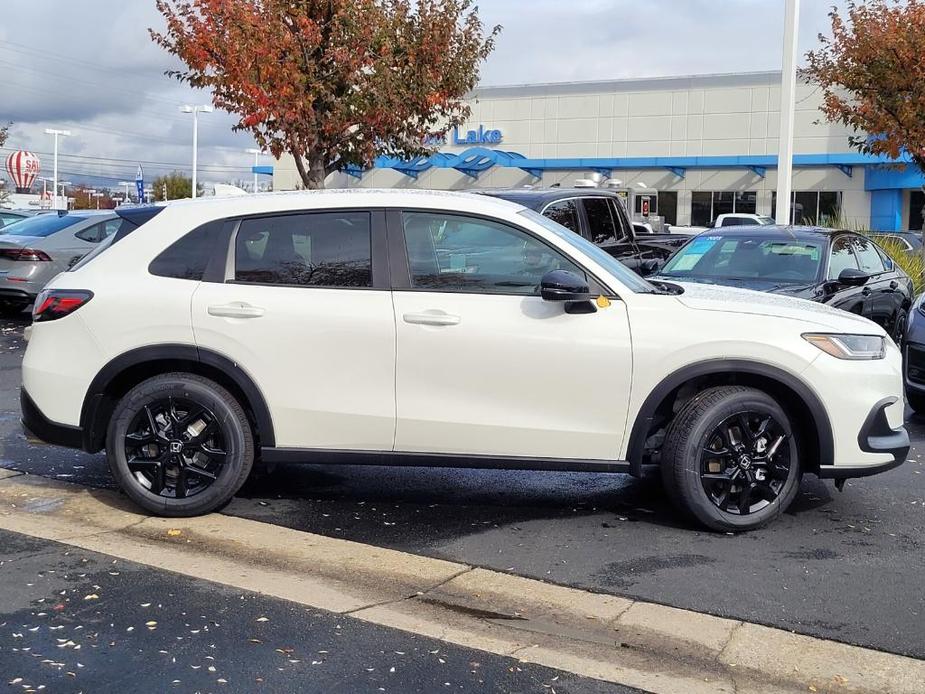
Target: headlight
[849, 346]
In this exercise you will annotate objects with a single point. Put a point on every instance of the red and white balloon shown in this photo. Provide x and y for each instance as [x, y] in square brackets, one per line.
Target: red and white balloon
[23, 167]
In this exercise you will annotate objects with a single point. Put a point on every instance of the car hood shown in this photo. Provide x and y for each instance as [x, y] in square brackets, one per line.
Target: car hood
[705, 297]
[758, 285]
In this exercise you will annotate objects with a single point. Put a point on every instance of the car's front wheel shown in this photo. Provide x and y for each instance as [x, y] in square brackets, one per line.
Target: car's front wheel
[180, 445]
[730, 459]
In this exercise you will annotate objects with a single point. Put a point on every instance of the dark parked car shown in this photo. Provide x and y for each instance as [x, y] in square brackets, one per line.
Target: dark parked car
[909, 241]
[914, 356]
[600, 216]
[838, 268]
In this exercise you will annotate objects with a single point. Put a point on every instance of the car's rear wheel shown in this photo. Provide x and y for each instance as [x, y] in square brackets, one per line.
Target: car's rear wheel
[731, 459]
[899, 327]
[180, 445]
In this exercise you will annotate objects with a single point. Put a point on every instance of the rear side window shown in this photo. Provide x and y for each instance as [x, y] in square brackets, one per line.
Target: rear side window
[564, 212]
[868, 258]
[43, 225]
[319, 249]
[188, 257]
[600, 220]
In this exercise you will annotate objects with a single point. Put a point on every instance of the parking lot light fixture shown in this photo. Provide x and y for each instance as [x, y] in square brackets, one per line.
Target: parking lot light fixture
[256, 153]
[195, 110]
[56, 133]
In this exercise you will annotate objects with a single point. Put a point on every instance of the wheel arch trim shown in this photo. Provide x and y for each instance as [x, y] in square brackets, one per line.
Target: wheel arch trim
[646, 414]
[171, 352]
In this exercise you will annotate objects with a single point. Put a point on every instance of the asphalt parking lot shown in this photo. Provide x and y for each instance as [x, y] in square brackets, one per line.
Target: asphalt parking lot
[844, 566]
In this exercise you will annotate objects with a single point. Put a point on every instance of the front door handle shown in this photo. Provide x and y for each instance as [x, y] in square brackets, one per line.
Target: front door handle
[893, 284]
[431, 318]
[866, 291]
[237, 309]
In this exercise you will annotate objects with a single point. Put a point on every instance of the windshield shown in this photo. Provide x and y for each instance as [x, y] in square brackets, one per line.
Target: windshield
[716, 257]
[42, 225]
[630, 279]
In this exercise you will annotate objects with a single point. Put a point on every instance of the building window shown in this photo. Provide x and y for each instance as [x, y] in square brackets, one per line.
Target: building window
[706, 206]
[668, 206]
[813, 207]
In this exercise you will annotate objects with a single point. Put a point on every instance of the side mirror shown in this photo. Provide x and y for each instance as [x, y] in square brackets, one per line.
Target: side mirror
[852, 277]
[563, 285]
[648, 267]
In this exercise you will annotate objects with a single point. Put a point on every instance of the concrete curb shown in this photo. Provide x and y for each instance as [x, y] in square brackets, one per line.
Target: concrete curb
[653, 647]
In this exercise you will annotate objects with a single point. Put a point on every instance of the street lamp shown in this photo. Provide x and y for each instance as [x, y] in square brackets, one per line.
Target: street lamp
[90, 193]
[98, 195]
[195, 110]
[787, 106]
[56, 133]
[128, 184]
[256, 153]
[63, 191]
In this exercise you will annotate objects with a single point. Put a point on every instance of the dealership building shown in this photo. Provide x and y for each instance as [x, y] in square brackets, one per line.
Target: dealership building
[684, 148]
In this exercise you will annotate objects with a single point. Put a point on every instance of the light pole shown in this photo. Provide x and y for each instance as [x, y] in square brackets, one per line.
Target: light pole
[63, 185]
[256, 153]
[127, 198]
[90, 193]
[98, 195]
[195, 110]
[56, 133]
[787, 89]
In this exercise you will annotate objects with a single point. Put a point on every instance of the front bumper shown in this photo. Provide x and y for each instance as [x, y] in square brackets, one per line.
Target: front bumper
[876, 436]
[42, 428]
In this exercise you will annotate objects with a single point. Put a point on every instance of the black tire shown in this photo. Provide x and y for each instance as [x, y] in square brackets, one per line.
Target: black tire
[916, 402]
[163, 412]
[702, 425]
[899, 327]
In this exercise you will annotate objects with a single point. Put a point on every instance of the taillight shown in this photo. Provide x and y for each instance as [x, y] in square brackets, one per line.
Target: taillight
[52, 304]
[29, 255]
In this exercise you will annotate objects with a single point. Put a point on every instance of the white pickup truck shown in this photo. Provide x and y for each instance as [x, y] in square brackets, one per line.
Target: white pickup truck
[726, 220]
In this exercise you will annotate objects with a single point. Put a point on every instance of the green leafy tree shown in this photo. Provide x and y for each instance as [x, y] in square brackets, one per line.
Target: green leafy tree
[332, 82]
[174, 186]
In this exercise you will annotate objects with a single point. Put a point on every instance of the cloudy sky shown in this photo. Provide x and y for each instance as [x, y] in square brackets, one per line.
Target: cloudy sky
[90, 67]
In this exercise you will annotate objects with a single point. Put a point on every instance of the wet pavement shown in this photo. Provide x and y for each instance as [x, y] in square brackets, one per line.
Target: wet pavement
[845, 566]
[72, 620]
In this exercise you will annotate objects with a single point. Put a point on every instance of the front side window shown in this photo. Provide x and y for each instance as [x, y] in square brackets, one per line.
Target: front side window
[319, 249]
[455, 253]
[868, 258]
[842, 257]
[564, 212]
[601, 224]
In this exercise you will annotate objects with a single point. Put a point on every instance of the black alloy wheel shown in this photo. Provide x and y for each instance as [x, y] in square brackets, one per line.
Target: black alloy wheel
[180, 445]
[746, 463]
[175, 448]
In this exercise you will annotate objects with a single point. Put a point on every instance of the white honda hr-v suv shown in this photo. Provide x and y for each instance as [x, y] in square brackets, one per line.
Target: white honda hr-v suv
[442, 329]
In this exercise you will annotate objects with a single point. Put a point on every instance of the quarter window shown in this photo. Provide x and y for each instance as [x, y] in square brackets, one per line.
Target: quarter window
[600, 220]
[324, 249]
[565, 212]
[188, 257]
[465, 254]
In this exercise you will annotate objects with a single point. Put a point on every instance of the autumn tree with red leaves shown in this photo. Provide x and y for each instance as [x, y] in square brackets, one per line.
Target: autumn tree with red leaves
[332, 82]
[872, 74]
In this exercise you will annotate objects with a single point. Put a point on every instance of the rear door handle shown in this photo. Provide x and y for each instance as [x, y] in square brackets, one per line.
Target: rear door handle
[866, 291]
[431, 318]
[893, 284]
[237, 309]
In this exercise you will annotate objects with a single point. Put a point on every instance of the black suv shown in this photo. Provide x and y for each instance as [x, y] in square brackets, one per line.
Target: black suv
[600, 216]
